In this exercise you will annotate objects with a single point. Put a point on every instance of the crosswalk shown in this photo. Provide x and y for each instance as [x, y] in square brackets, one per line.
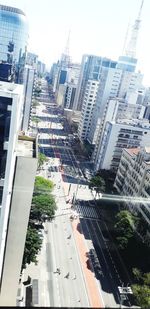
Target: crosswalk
[87, 211]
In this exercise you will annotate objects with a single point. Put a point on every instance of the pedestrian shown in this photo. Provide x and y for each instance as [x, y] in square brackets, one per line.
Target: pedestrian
[67, 276]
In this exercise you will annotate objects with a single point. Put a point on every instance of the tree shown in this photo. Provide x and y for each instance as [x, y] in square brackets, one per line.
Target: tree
[35, 103]
[124, 227]
[43, 205]
[41, 159]
[32, 246]
[36, 120]
[98, 184]
[137, 274]
[42, 185]
[109, 178]
[142, 295]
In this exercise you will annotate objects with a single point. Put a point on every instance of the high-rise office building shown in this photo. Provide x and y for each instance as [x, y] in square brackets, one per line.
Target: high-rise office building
[13, 38]
[114, 82]
[117, 81]
[90, 69]
[87, 108]
[18, 164]
[29, 77]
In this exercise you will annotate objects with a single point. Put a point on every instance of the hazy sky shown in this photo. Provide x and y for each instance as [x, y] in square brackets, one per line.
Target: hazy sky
[97, 27]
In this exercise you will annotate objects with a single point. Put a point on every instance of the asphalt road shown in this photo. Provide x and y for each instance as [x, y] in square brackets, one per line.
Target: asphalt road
[61, 252]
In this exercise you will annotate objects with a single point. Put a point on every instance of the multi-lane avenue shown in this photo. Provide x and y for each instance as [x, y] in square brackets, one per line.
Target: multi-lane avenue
[82, 248]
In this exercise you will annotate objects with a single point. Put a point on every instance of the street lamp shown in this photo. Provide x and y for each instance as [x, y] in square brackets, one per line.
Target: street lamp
[123, 291]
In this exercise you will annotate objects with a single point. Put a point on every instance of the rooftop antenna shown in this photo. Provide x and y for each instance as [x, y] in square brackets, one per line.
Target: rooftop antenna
[131, 47]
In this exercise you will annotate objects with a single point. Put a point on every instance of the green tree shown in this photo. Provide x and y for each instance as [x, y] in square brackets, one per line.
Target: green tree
[142, 295]
[35, 103]
[41, 159]
[35, 120]
[97, 183]
[146, 279]
[137, 274]
[124, 227]
[42, 185]
[43, 205]
[32, 246]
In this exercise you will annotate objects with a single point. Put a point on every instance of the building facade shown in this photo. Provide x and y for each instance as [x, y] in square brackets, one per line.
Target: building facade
[115, 109]
[87, 109]
[90, 69]
[29, 76]
[133, 180]
[118, 135]
[114, 82]
[13, 38]
[11, 251]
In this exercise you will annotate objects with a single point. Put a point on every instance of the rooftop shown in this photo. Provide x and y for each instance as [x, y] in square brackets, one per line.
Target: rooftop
[132, 151]
[11, 9]
[10, 88]
[26, 146]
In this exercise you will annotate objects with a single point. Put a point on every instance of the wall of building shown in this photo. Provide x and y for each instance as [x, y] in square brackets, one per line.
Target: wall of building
[28, 88]
[24, 176]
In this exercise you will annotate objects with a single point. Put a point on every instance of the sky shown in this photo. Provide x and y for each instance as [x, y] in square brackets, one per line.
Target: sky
[96, 27]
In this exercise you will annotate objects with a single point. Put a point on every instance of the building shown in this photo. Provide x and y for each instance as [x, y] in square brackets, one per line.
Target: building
[73, 72]
[40, 68]
[133, 180]
[115, 109]
[18, 164]
[117, 81]
[32, 60]
[90, 69]
[29, 76]
[87, 108]
[13, 38]
[114, 82]
[118, 135]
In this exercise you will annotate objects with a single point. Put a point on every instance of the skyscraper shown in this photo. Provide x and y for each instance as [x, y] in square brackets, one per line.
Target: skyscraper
[18, 164]
[90, 70]
[13, 38]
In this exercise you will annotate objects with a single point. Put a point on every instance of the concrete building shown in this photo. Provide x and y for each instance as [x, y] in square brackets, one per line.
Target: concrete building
[87, 109]
[32, 60]
[114, 82]
[18, 166]
[115, 109]
[90, 69]
[133, 180]
[28, 89]
[118, 135]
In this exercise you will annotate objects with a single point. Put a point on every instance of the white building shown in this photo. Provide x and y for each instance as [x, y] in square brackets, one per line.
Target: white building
[87, 108]
[114, 82]
[18, 165]
[29, 75]
[119, 135]
[133, 179]
[115, 109]
[90, 70]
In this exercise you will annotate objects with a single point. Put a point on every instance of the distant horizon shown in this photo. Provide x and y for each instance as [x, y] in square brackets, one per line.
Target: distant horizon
[96, 27]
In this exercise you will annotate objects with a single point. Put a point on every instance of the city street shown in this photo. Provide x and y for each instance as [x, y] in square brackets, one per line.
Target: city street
[64, 240]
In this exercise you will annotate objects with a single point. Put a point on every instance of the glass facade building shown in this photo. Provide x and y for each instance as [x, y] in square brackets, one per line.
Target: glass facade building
[13, 34]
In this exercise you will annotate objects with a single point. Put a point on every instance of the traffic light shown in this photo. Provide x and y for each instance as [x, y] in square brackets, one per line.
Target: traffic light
[10, 47]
